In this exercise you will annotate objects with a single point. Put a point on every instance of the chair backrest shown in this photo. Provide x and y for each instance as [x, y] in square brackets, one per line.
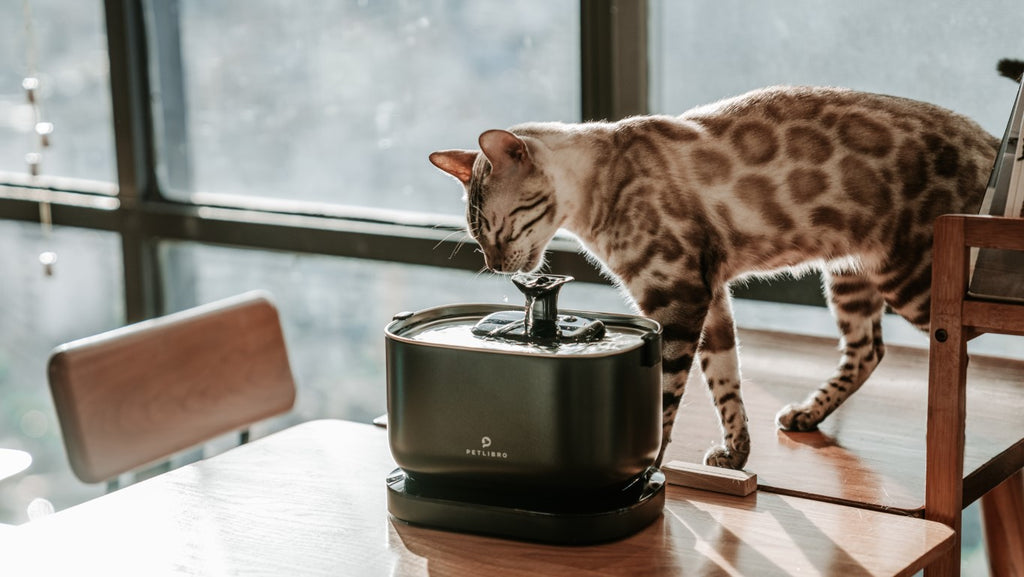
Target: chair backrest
[138, 394]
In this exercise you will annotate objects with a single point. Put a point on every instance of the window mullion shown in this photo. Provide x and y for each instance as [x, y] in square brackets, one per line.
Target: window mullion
[169, 102]
[129, 90]
[127, 50]
[613, 44]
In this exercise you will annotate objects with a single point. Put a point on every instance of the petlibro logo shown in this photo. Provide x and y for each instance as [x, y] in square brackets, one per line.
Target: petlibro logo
[485, 450]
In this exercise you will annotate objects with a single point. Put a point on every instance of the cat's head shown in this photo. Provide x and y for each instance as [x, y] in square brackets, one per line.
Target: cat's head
[510, 200]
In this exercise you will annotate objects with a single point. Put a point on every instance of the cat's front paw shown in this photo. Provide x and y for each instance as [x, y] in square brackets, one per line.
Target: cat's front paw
[725, 458]
[796, 417]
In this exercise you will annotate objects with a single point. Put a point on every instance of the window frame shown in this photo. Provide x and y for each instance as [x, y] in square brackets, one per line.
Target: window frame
[614, 84]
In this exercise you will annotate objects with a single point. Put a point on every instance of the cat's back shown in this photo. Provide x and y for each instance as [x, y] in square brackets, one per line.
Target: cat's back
[863, 122]
[825, 104]
[857, 169]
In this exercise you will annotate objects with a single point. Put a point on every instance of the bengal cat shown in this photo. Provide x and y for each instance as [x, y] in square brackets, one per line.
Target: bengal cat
[675, 208]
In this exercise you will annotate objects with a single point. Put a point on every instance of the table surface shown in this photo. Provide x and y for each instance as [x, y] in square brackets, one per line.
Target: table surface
[871, 451]
[311, 500]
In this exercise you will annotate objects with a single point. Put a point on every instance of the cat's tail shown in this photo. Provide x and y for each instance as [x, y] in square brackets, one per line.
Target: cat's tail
[1011, 68]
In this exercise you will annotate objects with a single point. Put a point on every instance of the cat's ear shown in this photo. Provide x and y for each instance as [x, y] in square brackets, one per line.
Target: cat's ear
[503, 149]
[458, 163]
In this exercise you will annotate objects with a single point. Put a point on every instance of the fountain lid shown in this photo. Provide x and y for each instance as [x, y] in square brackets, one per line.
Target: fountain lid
[539, 321]
[503, 329]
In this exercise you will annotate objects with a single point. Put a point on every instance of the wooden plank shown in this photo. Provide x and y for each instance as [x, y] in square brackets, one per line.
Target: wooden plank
[947, 397]
[1003, 514]
[310, 501]
[992, 231]
[994, 317]
[1002, 466]
[705, 478]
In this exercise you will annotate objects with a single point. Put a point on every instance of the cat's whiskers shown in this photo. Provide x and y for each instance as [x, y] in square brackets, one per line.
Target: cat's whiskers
[482, 271]
[450, 235]
[465, 239]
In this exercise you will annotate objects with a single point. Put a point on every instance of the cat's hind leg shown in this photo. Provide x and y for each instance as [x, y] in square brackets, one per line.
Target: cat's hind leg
[857, 307]
[719, 361]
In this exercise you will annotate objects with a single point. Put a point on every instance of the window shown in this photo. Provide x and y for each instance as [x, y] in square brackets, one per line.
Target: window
[178, 156]
[83, 296]
[347, 101]
[62, 46]
[938, 51]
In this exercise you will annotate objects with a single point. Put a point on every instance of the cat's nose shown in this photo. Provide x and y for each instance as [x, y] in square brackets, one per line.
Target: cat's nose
[494, 260]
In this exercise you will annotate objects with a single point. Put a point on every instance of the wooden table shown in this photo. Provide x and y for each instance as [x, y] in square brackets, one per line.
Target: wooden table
[310, 500]
[869, 453]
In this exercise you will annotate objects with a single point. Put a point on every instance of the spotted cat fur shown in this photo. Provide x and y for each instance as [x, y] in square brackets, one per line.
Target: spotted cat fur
[676, 208]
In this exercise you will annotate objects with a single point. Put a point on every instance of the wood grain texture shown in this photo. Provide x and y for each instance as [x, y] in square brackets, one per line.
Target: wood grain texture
[705, 478]
[991, 231]
[1003, 514]
[310, 501]
[993, 317]
[137, 394]
[947, 397]
[956, 319]
[871, 451]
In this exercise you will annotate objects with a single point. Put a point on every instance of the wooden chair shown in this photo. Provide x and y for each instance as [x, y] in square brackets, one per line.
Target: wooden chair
[957, 318]
[901, 444]
[138, 394]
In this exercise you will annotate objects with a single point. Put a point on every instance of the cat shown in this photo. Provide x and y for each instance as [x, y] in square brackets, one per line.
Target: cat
[676, 208]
